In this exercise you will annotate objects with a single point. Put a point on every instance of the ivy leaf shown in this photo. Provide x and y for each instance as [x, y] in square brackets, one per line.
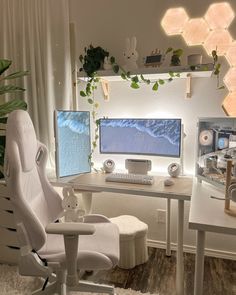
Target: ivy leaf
[177, 74]
[90, 101]
[135, 79]
[134, 85]
[112, 59]
[128, 74]
[82, 93]
[169, 49]
[142, 78]
[217, 69]
[155, 86]
[171, 74]
[123, 76]
[97, 122]
[116, 68]
[161, 82]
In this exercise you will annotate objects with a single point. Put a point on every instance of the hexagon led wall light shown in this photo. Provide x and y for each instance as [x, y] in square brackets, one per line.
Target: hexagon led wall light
[174, 20]
[212, 32]
[218, 39]
[195, 31]
[230, 79]
[219, 15]
[229, 104]
[231, 54]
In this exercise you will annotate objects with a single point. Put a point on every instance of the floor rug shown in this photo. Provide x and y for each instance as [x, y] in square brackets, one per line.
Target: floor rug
[11, 283]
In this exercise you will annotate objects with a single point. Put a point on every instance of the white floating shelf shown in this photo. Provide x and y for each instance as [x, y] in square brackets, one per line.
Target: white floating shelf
[154, 73]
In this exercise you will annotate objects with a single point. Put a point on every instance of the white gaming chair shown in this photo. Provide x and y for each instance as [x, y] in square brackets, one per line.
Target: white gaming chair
[37, 207]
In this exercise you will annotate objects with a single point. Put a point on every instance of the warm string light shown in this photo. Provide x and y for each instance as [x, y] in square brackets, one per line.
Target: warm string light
[211, 32]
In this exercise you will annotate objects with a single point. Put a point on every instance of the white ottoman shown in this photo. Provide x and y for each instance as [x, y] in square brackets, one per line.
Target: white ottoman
[133, 241]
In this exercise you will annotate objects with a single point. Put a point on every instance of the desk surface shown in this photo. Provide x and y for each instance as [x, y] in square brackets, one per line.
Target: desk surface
[180, 190]
[208, 214]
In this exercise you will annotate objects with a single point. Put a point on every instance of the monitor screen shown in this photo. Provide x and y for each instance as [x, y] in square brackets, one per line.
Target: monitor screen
[158, 137]
[72, 136]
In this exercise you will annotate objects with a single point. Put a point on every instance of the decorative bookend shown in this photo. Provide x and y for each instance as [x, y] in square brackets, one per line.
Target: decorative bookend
[230, 190]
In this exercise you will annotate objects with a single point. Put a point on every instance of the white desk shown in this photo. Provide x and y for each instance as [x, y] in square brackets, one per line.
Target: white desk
[180, 191]
[207, 215]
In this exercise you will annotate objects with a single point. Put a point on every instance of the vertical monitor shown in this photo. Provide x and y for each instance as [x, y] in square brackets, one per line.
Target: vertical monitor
[154, 137]
[73, 148]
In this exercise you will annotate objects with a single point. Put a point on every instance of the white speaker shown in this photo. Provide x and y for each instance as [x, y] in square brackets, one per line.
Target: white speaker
[138, 166]
[174, 169]
[109, 166]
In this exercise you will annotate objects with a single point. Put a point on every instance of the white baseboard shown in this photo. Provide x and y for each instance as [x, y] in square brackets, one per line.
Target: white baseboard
[192, 249]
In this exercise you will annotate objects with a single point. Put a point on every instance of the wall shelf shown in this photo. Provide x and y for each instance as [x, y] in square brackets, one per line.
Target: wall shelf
[154, 73]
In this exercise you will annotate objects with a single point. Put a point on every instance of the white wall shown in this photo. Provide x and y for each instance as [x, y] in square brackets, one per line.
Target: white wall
[107, 23]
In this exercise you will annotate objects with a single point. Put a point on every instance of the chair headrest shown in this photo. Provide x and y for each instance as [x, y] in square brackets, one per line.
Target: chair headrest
[20, 129]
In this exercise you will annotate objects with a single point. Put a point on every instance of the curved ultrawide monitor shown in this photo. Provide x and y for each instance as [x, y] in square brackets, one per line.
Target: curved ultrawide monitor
[73, 148]
[155, 137]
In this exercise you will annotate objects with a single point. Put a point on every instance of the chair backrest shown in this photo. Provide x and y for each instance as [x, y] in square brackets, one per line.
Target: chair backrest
[34, 200]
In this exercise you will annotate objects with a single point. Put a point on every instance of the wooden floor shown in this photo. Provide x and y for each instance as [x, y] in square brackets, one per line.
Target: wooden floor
[158, 275]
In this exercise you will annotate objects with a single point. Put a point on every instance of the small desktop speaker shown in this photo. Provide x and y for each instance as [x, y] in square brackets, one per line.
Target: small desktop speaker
[174, 169]
[138, 166]
[109, 166]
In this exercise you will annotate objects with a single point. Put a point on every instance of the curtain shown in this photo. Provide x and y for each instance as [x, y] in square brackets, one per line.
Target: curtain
[35, 35]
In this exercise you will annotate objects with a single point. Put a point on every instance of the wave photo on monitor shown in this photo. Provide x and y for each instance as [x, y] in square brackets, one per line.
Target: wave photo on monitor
[72, 136]
[159, 137]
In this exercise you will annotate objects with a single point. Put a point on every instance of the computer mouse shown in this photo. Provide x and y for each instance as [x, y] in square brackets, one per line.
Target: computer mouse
[168, 182]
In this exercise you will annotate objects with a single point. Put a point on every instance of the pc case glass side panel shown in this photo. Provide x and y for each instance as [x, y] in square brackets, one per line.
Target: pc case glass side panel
[73, 142]
[159, 137]
[216, 143]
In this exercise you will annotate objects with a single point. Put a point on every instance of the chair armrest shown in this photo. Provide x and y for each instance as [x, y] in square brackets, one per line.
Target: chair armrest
[70, 228]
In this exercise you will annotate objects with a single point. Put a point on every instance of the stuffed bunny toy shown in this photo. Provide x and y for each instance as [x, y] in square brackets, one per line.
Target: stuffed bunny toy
[130, 54]
[70, 204]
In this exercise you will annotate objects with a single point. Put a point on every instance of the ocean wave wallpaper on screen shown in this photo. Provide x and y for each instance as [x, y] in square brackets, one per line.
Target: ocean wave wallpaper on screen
[72, 142]
[161, 137]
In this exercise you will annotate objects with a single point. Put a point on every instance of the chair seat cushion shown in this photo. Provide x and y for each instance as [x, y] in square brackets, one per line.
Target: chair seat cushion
[97, 251]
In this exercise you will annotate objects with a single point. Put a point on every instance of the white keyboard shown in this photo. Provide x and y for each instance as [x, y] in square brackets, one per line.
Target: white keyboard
[130, 178]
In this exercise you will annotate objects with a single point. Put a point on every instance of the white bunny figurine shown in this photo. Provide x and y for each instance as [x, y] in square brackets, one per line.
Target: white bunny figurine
[70, 204]
[130, 54]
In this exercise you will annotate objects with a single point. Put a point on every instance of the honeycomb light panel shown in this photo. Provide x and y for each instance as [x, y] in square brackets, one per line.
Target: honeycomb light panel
[229, 104]
[195, 31]
[219, 15]
[230, 79]
[174, 21]
[212, 32]
[231, 54]
[218, 39]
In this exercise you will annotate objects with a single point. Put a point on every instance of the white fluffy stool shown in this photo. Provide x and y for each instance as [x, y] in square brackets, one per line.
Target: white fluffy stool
[133, 240]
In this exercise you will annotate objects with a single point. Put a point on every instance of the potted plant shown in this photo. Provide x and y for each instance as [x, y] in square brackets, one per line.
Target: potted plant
[11, 105]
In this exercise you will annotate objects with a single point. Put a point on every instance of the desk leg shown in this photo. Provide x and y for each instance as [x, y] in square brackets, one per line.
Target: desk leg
[87, 201]
[180, 260]
[168, 249]
[199, 263]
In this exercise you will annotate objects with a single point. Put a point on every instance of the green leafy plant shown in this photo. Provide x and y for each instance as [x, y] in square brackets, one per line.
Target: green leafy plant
[6, 86]
[217, 67]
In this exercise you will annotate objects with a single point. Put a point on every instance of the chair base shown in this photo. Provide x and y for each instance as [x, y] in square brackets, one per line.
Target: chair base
[83, 286]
